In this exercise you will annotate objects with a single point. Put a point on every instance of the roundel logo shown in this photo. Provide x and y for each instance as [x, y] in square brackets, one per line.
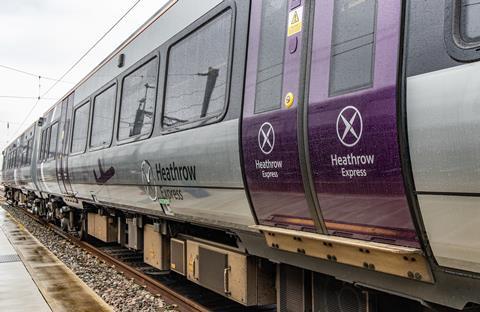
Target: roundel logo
[266, 138]
[349, 126]
[147, 179]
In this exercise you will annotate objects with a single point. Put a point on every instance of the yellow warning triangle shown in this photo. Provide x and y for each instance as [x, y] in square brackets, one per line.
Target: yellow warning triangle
[295, 18]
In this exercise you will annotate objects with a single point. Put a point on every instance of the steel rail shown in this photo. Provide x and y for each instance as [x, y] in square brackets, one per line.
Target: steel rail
[170, 296]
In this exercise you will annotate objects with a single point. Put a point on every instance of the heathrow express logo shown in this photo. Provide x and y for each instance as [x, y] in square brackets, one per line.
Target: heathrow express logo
[266, 138]
[349, 126]
[147, 179]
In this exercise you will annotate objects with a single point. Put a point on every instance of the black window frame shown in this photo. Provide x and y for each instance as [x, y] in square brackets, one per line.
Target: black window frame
[29, 150]
[205, 20]
[139, 137]
[83, 103]
[47, 143]
[40, 145]
[50, 141]
[92, 115]
[458, 48]
[15, 158]
[23, 157]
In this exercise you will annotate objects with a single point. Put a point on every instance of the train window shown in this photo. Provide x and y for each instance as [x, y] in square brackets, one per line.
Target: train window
[139, 90]
[20, 156]
[53, 141]
[29, 151]
[462, 29]
[80, 128]
[271, 52]
[40, 147]
[47, 143]
[197, 75]
[102, 120]
[15, 158]
[24, 155]
[470, 20]
[353, 37]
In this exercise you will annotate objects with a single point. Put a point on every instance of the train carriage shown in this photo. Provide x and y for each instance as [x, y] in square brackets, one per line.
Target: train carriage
[276, 151]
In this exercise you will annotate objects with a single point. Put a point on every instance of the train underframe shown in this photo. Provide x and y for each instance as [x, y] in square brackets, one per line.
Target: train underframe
[214, 258]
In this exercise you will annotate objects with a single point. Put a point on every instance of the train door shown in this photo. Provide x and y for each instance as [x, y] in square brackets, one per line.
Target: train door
[62, 150]
[352, 121]
[271, 109]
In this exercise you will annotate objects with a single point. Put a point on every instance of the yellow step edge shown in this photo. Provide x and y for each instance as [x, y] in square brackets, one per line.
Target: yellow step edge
[401, 261]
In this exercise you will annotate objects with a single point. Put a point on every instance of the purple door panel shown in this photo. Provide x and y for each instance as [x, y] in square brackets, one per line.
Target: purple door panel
[269, 138]
[353, 137]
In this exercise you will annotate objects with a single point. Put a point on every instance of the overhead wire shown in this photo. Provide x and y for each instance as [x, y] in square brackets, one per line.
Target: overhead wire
[25, 97]
[75, 64]
[93, 46]
[32, 74]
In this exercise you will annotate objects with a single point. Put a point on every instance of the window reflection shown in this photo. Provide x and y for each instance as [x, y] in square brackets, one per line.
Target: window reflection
[138, 101]
[197, 74]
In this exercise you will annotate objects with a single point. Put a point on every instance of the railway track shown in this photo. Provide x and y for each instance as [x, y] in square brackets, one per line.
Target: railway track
[172, 288]
[155, 287]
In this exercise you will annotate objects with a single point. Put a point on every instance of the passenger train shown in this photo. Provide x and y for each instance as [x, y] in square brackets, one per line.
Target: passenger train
[317, 155]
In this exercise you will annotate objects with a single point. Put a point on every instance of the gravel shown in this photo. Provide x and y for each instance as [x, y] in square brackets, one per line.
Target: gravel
[120, 293]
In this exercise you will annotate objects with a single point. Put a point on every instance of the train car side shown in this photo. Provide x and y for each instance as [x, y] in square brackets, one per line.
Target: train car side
[288, 142]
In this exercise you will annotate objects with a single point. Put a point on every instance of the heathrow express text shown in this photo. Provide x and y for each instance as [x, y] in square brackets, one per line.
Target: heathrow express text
[352, 160]
[173, 172]
[269, 167]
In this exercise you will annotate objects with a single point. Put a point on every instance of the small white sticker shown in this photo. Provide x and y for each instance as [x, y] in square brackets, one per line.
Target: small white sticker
[295, 21]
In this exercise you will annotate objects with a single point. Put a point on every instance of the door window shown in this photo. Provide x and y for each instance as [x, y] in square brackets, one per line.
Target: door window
[353, 36]
[271, 55]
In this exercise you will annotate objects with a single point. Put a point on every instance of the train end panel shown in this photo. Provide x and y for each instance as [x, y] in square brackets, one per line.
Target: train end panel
[441, 104]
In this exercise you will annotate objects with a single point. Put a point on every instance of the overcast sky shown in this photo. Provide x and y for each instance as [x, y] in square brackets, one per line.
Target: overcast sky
[46, 37]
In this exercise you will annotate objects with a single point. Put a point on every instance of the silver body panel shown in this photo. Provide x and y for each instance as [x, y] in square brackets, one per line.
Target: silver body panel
[443, 125]
[215, 196]
[443, 115]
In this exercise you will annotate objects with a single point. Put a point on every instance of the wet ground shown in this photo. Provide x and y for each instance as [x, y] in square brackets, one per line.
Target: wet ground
[54, 288]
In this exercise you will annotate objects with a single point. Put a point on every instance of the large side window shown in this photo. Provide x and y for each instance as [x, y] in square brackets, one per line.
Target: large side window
[80, 128]
[197, 75]
[102, 120]
[271, 52]
[139, 90]
[53, 141]
[353, 37]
